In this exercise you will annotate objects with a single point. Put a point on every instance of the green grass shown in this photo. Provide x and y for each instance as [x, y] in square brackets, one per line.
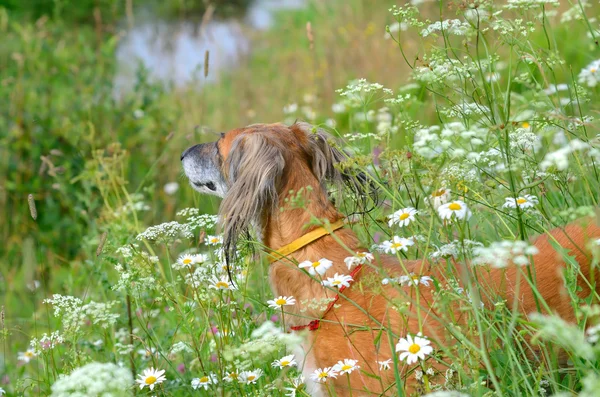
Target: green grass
[84, 156]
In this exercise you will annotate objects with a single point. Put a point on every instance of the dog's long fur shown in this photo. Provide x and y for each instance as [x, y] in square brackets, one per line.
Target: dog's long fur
[258, 166]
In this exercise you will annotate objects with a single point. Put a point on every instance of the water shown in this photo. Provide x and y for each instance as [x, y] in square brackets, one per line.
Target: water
[172, 52]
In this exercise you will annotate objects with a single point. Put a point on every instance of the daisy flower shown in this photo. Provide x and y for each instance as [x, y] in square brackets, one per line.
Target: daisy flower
[205, 381]
[286, 361]
[438, 197]
[590, 75]
[249, 377]
[213, 240]
[184, 261]
[346, 366]
[415, 280]
[2, 391]
[200, 259]
[321, 375]
[527, 201]
[231, 376]
[338, 281]
[151, 377]
[359, 259]
[396, 244]
[222, 283]
[384, 365]
[282, 301]
[413, 349]
[403, 217]
[457, 209]
[319, 266]
[26, 356]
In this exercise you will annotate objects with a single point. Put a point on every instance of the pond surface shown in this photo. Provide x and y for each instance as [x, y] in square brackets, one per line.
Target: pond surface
[173, 51]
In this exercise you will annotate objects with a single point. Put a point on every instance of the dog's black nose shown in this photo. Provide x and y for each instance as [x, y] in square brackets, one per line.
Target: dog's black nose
[187, 151]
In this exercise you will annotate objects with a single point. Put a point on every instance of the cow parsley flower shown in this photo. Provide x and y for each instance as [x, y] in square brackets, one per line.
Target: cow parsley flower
[318, 267]
[449, 26]
[94, 379]
[204, 382]
[166, 232]
[402, 217]
[250, 377]
[524, 202]
[278, 303]
[338, 280]
[151, 377]
[396, 244]
[412, 350]
[346, 366]
[359, 258]
[501, 254]
[321, 375]
[456, 209]
[286, 361]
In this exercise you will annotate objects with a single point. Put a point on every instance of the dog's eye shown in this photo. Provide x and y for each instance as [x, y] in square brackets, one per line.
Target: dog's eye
[211, 186]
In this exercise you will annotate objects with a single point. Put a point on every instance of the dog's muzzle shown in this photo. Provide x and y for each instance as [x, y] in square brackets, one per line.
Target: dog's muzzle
[200, 164]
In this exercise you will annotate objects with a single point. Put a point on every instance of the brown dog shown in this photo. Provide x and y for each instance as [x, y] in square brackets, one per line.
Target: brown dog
[255, 168]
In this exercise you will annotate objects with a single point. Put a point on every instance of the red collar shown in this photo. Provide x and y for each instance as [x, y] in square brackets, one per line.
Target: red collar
[314, 324]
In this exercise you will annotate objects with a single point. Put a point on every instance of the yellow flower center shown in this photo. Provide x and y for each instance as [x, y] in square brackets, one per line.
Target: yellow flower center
[29, 354]
[336, 282]
[346, 367]
[361, 255]
[521, 200]
[454, 206]
[150, 380]
[593, 70]
[285, 363]
[222, 284]
[439, 193]
[204, 379]
[414, 348]
[251, 378]
[315, 264]
[415, 278]
[323, 375]
[187, 261]
[233, 375]
[214, 240]
[404, 216]
[281, 302]
[396, 245]
[526, 124]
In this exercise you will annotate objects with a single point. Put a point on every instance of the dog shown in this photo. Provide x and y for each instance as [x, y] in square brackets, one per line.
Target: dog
[257, 170]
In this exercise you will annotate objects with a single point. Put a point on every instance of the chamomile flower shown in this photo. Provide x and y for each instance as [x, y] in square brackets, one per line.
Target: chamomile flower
[151, 377]
[456, 209]
[415, 280]
[319, 266]
[200, 259]
[402, 217]
[321, 375]
[590, 75]
[412, 350]
[26, 356]
[278, 303]
[204, 382]
[338, 280]
[297, 385]
[396, 244]
[359, 259]
[222, 283]
[214, 240]
[231, 376]
[346, 366]
[249, 377]
[524, 202]
[286, 361]
[384, 365]
[439, 197]
[184, 261]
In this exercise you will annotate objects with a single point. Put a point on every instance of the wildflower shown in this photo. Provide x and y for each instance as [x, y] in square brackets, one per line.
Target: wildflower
[319, 266]
[94, 379]
[291, 108]
[26, 356]
[402, 217]
[415, 280]
[286, 361]
[231, 376]
[338, 280]
[590, 75]
[151, 377]
[166, 232]
[501, 254]
[449, 26]
[214, 240]
[282, 301]
[171, 188]
[396, 244]
[184, 261]
[297, 385]
[338, 108]
[2, 391]
[359, 258]
[346, 366]
[222, 283]
[384, 365]
[457, 208]
[413, 349]
[147, 353]
[322, 375]
[251, 376]
[204, 381]
[439, 197]
[527, 201]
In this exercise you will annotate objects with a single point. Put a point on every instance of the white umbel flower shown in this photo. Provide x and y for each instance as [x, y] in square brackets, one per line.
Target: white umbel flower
[318, 267]
[523, 202]
[396, 244]
[321, 375]
[151, 377]
[338, 281]
[359, 259]
[502, 254]
[278, 303]
[413, 350]
[456, 209]
[204, 381]
[94, 379]
[402, 217]
[346, 366]
[286, 361]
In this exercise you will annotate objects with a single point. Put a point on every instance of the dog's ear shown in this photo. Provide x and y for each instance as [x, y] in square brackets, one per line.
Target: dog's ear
[254, 168]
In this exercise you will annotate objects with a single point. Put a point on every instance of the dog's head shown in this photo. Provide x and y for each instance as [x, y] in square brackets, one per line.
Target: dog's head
[248, 167]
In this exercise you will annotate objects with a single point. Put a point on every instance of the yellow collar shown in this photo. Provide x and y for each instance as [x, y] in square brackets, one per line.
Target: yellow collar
[303, 241]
